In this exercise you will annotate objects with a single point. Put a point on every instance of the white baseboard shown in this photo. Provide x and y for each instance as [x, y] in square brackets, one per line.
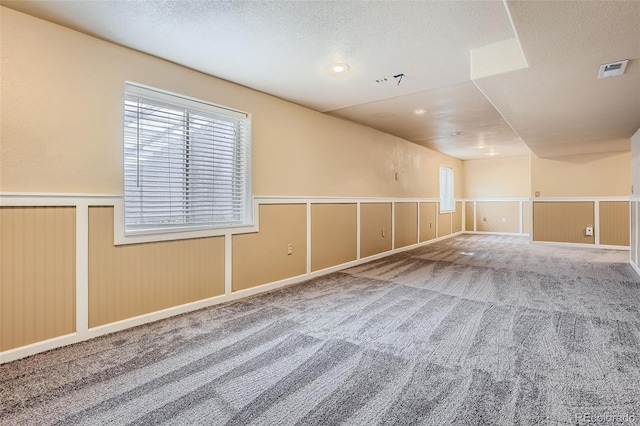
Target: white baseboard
[580, 245]
[516, 234]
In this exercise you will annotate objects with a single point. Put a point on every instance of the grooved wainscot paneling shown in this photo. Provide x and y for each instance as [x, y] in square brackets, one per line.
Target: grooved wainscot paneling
[498, 216]
[261, 257]
[614, 223]
[130, 280]
[334, 237]
[457, 218]
[37, 274]
[444, 224]
[406, 224]
[563, 222]
[469, 218]
[375, 228]
[428, 215]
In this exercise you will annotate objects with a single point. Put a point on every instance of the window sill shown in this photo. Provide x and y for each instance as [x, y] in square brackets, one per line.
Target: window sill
[120, 237]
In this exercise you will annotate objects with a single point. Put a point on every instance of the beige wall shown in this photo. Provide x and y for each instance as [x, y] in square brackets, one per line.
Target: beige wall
[37, 274]
[406, 224]
[261, 257]
[457, 218]
[592, 175]
[497, 178]
[526, 217]
[490, 216]
[334, 238]
[469, 220]
[614, 223]
[131, 280]
[563, 221]
[78, 148]
[428, 218]
[375, 228]
[444, 224]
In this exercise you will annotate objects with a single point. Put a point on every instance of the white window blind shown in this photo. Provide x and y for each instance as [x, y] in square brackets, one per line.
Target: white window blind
[447, 200]
[187, 163]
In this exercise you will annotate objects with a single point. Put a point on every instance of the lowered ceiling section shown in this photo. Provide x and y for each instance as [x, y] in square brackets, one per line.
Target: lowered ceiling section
[558, 105]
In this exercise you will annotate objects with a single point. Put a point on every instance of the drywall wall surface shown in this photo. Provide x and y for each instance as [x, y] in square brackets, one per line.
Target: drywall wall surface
[497, 178]
[61, 124]
[590, 175]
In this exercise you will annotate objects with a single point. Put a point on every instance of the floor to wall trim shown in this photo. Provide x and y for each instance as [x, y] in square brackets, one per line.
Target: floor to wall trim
[580, 245]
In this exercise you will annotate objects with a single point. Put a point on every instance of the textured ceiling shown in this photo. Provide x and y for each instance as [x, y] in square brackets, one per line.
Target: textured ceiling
[534, 79]
[558, 105]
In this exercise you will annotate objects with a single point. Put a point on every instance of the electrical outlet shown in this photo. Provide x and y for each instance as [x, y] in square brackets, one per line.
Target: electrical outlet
[504, 220]
[289, 249]
[484, 219]
[588, 231]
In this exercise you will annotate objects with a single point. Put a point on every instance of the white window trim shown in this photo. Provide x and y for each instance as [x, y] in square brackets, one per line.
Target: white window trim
[452, 187]
[120, 237]
[124, 236]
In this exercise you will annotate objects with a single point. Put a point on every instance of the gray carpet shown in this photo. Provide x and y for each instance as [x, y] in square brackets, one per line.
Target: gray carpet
[468, 331]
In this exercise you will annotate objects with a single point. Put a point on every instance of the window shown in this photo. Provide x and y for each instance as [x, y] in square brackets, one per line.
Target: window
[187, 163]
[447, 201]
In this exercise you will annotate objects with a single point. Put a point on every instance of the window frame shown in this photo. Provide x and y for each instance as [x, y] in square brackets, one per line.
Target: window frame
[127, 235]
[450, 190]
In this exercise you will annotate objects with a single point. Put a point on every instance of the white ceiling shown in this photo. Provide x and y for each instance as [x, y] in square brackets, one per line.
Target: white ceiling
[505, 74]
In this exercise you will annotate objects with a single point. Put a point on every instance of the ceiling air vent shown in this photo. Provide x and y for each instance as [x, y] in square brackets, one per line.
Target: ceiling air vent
[612, 69]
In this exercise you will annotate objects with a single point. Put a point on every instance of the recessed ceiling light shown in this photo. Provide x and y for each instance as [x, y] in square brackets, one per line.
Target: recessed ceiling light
[457, 133]
[338, 68]
[420, 111]
[492, 153]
